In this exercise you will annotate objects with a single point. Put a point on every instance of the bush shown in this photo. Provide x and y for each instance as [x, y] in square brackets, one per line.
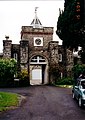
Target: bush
[65, 81]
[23, 78]
[8, 68]
[78, 69]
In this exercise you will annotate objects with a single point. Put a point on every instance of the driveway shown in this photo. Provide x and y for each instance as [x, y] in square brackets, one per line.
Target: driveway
[44, 103]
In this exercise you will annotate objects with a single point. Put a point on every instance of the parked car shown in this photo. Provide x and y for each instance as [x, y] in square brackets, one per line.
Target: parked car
[78, 92]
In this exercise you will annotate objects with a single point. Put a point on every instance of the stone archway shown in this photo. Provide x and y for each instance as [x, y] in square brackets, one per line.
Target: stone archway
[38, 70]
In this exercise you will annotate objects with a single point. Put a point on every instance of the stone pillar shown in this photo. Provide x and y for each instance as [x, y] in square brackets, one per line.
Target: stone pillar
[53, 58]
[69, 62]
[7, 47]
[24, 54]
[53, 52]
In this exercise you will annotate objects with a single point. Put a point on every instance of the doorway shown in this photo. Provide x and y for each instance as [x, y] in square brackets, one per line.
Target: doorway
[36, 78]
[38, 71]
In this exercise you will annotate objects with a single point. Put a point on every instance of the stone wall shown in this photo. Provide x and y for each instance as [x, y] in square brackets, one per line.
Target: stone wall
[28, 33]
[50, 51]
[69, 62]
[53, 52]
[24, 52]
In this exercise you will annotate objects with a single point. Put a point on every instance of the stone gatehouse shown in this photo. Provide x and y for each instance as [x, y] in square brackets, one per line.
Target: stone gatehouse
[37, 51]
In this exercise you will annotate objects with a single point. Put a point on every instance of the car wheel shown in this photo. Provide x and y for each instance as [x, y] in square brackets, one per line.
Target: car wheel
[73, 96]
[80, 102]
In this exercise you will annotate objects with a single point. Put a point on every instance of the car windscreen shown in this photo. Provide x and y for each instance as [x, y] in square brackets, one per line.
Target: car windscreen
[83, 84]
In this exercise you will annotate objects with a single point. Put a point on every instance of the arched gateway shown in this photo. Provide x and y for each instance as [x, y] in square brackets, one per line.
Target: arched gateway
[38, 70]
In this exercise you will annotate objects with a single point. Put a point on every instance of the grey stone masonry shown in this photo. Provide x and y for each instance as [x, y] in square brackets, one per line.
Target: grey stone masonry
[53, 52]
[24, 52]
[7, 48]
[69, 61]
[28, 33]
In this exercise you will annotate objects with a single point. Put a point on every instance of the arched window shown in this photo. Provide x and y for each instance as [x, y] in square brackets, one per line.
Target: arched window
[38, 59]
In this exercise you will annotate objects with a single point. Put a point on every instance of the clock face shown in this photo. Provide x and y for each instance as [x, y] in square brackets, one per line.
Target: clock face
[38, 41]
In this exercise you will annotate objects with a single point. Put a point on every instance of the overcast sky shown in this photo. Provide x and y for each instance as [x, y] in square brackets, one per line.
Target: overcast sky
[14, 14]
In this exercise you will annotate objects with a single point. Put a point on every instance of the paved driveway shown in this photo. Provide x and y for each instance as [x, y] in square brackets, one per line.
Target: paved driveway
[45, 103]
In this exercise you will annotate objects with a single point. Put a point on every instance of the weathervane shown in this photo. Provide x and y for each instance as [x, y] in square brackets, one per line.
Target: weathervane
[36, 9]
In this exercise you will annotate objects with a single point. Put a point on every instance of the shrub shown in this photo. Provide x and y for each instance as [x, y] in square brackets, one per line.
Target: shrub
[23, 78]
[65, 81]
[8, 68]
[78, 69]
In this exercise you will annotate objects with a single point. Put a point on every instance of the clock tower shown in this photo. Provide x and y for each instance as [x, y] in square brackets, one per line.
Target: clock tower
[37, 35]
[37, 38]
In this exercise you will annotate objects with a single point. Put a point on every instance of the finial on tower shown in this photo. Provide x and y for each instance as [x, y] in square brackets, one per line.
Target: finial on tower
[7, 37]
[36, 9]
[36, 22]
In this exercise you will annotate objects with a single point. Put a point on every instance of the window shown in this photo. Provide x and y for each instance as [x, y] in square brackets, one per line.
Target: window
[60, 57]
[15, 56]
[83, 84]
[38, 59]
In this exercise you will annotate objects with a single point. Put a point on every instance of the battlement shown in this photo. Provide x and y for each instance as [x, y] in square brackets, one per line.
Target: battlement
[30, 29]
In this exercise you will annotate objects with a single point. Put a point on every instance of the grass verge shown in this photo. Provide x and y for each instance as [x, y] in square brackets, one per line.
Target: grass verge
[66, 86]
[8, 100]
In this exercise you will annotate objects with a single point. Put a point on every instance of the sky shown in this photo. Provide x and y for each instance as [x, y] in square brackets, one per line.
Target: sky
[15, 14]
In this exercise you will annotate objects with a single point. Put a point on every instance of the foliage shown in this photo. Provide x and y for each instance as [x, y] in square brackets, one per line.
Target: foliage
[78, 69]
[8, 68]
[7, 100]
[69, 28]
[65, 81]
[23, 77]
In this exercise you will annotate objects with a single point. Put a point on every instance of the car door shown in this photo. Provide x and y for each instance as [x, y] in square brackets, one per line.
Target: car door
[77, 90]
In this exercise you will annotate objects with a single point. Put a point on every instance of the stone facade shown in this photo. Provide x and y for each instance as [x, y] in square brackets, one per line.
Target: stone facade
[26, 52]
[69, 62]
[53, 52]
[37, 51]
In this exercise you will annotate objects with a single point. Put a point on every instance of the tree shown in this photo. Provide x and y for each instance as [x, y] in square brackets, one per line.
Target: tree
[78, 69]
[69, 25]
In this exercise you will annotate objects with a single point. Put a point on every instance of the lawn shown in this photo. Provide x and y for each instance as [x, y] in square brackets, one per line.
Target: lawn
[8, 100]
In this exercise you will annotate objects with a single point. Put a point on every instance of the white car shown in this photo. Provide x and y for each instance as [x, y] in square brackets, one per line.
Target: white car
[78, 92]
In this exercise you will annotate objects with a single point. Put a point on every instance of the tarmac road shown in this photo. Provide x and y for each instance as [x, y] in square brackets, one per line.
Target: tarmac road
[44, 103]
